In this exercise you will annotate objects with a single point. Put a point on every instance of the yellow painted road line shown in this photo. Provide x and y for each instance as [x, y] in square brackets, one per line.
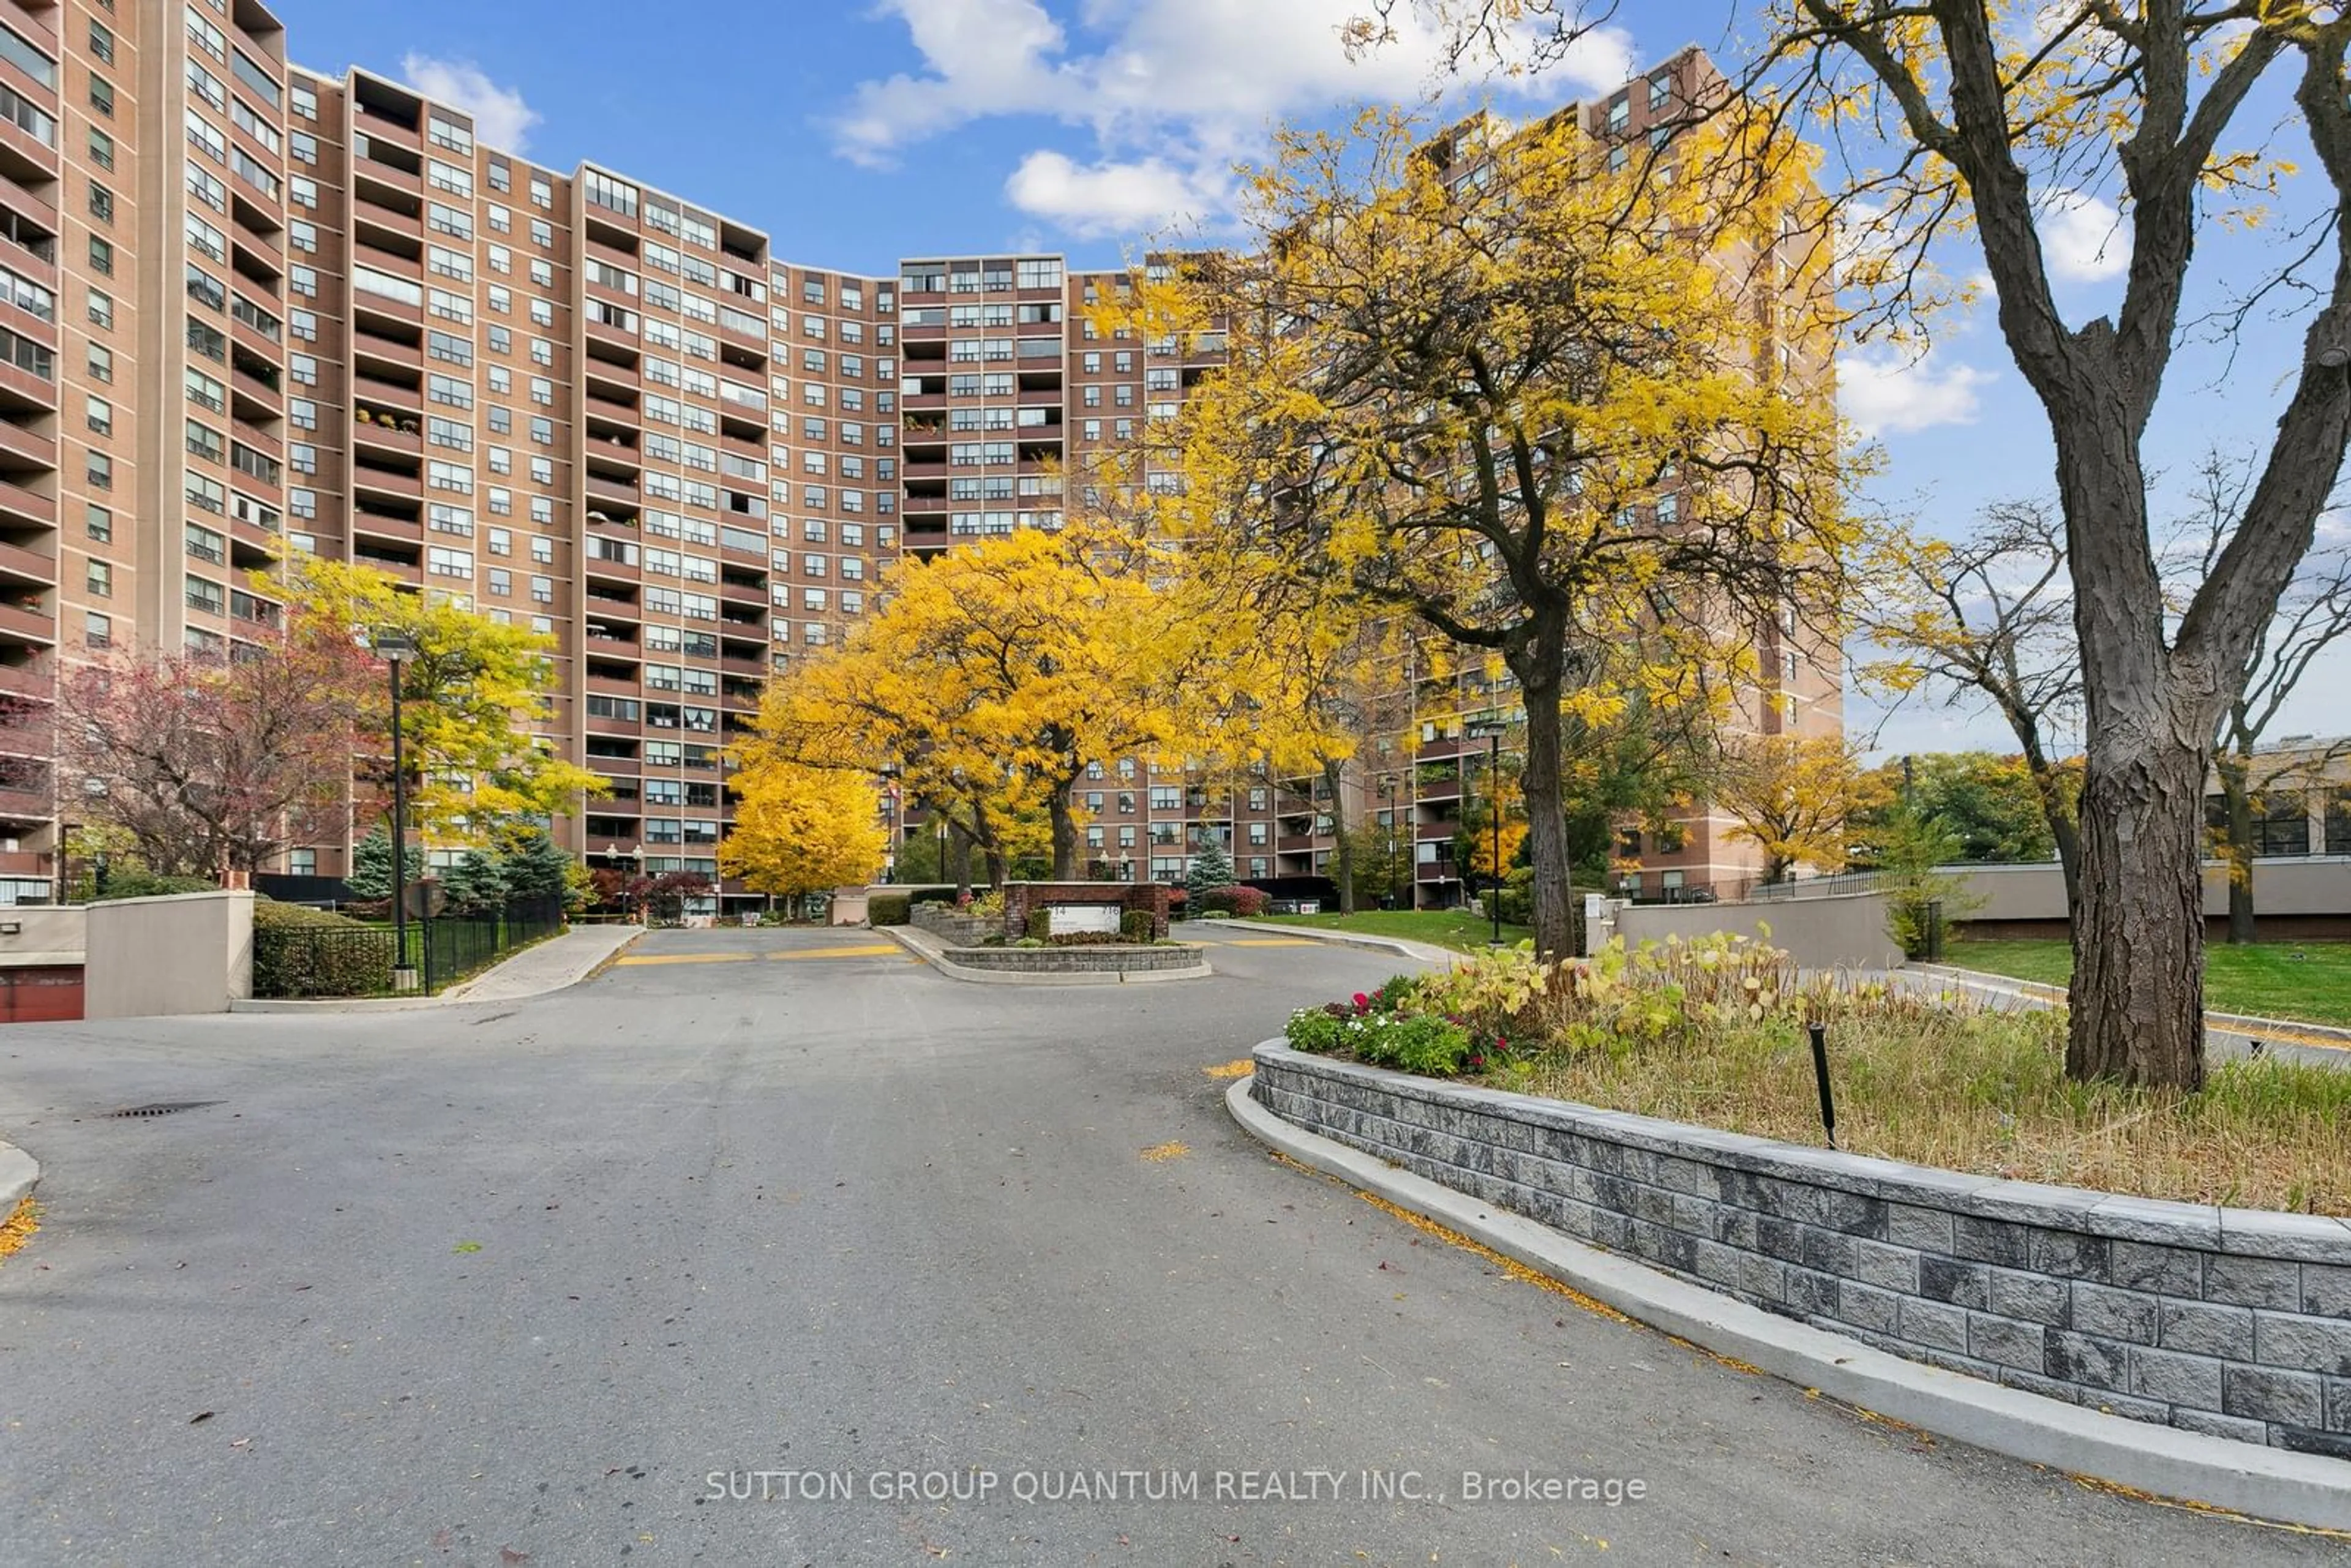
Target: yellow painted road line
[881, 950]
[687, 959]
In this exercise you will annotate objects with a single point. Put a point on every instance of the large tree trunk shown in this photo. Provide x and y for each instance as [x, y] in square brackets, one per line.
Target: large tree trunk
[1065, 833]
[2137, 995]
[1537, 665]
[2233, 769]
[1331, 768]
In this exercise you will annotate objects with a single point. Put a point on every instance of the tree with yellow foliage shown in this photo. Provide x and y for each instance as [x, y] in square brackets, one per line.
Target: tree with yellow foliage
[1795, 797]
[992, 675]
[801, 830]
[469, 695]
[1481, 380]
[1984, 129]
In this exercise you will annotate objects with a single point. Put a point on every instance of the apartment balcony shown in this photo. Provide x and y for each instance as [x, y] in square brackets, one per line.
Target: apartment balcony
[250, 538]
[623, 844]
[384, 128]
[373, 435]
[24, 156]
[608, 685]
[258, 251]
[610, 449]
[259, 440]
[400, 486]
[619, 492]
[22, 388]
[253, 389]
[370, 219]
[407, 571]
[601, 371]
[27, 805]
[605, 332]
[18, 505]
[42, 210]
[254, 340]
[598, 723]
[36, 683]
[21, 624]
[380, 526]
[375, 388]
[611, 255]
[35, 22]
[21, 449]
[20, 567]
[371, 174]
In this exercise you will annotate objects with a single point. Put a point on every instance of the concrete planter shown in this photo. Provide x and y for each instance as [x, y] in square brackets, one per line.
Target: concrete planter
[2231, 1322]
[1106, 958]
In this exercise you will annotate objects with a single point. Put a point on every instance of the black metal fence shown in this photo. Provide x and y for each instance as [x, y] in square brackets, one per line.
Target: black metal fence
[447, 950]
[358, 961]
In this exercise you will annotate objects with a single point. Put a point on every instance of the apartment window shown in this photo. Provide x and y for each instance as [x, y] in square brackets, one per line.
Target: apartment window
[205, 544]
[98, 414]
[205, 594]
[97, 630]
[99, 360]
[302, 236]
[204, 493]
[207, 391]
[98, 522]
[100, 308]
[101, 256]
[101, 96]
[98, 577]
[302, 146]
[304, 102]
[442, 561]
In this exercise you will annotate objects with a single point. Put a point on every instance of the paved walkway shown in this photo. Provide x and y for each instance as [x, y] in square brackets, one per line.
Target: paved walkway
[551, 966]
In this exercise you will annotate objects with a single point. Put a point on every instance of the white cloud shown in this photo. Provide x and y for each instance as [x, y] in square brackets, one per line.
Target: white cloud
[1173, 92]
[1890, 393]
[501, 119]
[2081, 237]
[1148, 195]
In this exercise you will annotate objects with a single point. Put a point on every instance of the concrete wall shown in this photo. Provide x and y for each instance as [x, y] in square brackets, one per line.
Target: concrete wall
[1846, 931]
[848, 905]
[2233, 1323]
[157, 958]
[2299, 886]
[44, 935]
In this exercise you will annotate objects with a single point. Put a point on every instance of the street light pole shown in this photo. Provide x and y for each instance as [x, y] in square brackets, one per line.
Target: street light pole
[1494, 810]
[392, 645]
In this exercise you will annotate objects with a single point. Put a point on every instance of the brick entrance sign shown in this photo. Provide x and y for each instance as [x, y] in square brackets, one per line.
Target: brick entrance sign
[1021, 897]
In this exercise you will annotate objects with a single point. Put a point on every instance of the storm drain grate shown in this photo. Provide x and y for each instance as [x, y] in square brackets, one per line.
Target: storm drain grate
[164, 1108]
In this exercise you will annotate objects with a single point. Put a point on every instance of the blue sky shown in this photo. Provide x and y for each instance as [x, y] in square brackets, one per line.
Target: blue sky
[866, 133]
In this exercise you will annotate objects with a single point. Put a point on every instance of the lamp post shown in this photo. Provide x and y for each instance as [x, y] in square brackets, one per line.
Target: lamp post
[392, 645]
[1492, 732]
[1394, 891]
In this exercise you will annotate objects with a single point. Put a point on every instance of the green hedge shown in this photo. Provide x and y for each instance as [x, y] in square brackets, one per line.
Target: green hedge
[888, 909]
[299, 952]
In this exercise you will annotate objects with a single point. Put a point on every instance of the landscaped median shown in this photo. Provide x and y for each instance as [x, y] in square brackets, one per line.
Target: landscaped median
[2205, 1318]
[1045, 932]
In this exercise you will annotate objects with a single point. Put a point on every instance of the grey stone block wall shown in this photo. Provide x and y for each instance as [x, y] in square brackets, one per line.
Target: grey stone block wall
[943, 922]
[1104, 959]
[2235, 1322]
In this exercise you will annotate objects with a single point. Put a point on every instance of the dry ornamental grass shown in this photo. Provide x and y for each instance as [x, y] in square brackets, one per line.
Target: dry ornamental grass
[1712, 1032]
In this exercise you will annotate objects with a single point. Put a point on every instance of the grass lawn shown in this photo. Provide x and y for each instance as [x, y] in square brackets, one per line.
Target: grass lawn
[1455, 928]
[2309, 981]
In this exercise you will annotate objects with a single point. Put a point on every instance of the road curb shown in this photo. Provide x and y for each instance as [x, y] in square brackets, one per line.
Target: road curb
[1423, 952]
[19, 1174]
[2266, 1483]
[937, 958]
[459, 996]
[2245, 1026]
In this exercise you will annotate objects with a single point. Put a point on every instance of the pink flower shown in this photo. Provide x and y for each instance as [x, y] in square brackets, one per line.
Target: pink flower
[1363, 1003]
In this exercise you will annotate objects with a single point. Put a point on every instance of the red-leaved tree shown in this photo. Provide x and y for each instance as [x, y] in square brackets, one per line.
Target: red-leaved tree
[211, 763]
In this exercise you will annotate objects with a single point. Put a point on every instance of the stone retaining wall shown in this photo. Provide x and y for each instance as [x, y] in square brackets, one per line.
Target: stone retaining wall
[2234, 1322]
[957, 930]
[1104, 958]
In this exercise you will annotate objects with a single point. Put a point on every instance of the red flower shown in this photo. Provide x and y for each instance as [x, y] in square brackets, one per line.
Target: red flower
[1363, 1003]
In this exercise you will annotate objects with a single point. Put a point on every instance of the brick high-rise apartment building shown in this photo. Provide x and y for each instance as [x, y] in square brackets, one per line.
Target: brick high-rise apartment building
[251, 309]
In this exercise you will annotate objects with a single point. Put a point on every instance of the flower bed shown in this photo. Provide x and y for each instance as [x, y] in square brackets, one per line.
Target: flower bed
[1712, 1032]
